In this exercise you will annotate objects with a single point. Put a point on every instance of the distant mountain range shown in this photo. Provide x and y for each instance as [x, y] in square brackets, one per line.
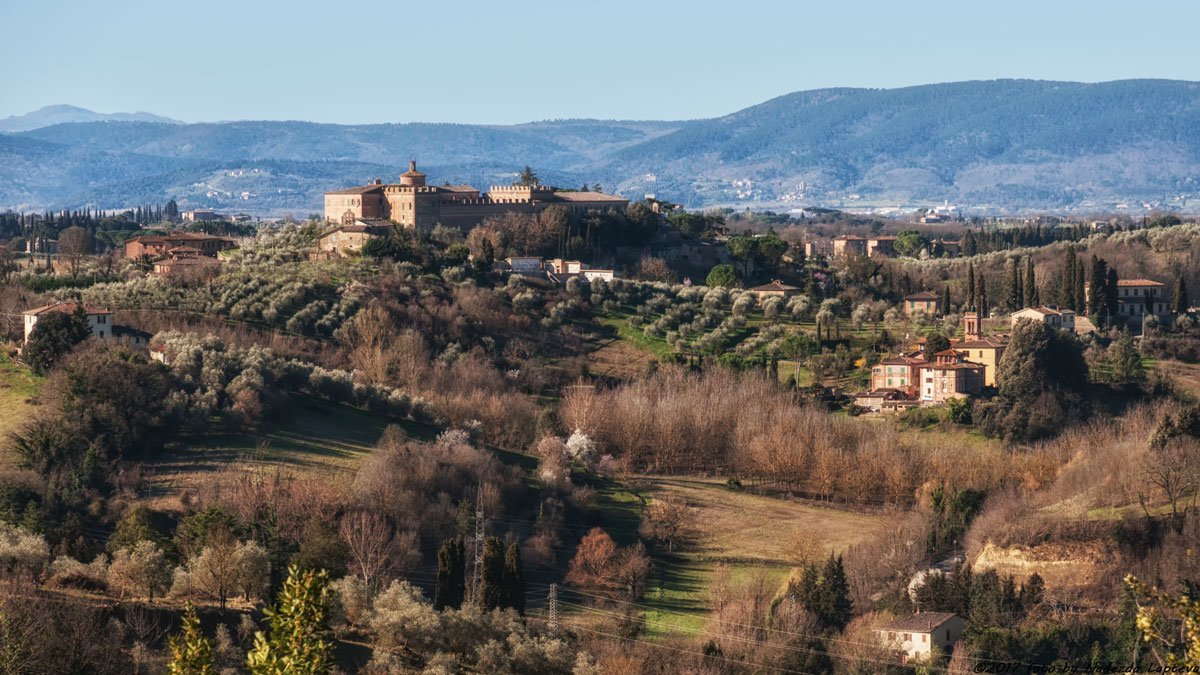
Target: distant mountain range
[68, 114]
[988, 146]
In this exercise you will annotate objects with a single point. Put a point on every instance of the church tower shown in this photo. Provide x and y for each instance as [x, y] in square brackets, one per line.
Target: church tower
[971, 326]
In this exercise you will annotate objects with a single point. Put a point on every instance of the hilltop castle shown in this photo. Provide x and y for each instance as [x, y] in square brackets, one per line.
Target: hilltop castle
[413, 204]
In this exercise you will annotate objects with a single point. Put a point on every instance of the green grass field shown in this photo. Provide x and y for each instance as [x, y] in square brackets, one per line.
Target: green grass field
[312, 437]
[17, 387]
[752, 534]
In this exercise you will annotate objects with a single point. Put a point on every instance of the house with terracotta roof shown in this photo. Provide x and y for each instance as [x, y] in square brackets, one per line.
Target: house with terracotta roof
[1055, 317]
[950, 376]
[1137, 298]
[884, 400]
[99, 320]
[774, 289]
[849, 245]
[881, 247]
[924, 301]
[156, 245]
[348, 239]
[914, 638]
[900, 372]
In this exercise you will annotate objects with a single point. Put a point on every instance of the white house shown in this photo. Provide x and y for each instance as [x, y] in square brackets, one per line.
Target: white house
[603, 275]
[99, 320]
[916, 636]
[1055, 317]
[530, 266]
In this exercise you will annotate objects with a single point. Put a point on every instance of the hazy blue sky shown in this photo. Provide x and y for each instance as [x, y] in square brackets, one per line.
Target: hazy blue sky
[502, 62]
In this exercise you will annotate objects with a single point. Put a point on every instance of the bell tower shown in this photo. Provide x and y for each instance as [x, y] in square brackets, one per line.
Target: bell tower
[971, 326]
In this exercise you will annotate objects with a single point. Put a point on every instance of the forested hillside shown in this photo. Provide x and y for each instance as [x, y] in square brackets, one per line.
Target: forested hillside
[995, 145]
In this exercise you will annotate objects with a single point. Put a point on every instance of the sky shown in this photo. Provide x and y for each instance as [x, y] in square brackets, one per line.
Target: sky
[510, 62]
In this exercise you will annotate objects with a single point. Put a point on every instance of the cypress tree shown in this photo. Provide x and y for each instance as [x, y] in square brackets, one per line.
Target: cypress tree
[1030, 291]
[1067, 285]
[514, 579]
[491, 583]
[451, 575]
[972, 301]
[983, 298]
[945, 300]
[835, 604]
[1097, 292]
[1013, 301]
[1179, 299]
[1080, 302]
[1110, 291]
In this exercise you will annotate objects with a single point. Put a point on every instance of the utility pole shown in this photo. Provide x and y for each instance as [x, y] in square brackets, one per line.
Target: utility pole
[478, 543]
[553, 601]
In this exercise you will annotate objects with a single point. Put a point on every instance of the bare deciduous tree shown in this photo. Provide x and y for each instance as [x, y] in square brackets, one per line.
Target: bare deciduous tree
[368, 539]
[73, 244]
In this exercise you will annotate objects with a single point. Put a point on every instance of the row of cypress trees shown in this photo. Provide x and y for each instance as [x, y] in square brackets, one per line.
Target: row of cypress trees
[502, 576]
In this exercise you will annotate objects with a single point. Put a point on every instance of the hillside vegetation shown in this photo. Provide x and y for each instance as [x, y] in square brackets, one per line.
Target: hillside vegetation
[1004, 144]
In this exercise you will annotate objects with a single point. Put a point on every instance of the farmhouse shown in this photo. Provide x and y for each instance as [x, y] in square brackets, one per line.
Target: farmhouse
[1055, 317]
[776, 289]
[915, 637]
[413, 204]
[925, 301]
[901, 372]
[349, 239]
[849, 245]
[156, 245]
[881, 247]
[99, 320]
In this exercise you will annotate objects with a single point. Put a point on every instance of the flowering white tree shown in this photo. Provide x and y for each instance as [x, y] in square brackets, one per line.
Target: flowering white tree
[581, 448]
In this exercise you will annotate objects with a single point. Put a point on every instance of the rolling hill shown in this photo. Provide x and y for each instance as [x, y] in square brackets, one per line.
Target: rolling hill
[991, 145]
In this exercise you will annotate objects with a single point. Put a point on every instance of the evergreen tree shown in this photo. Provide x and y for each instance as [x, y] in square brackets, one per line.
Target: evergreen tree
[491, 583]
[1179, 299]
[1033, 591]
[1097, 295]
[514, 579]
[945, 300]
[1126, 361]
[451, 579]
[835, 605]
[191, 652]
[1030, 291]
[1080, 295]
[972, 301]
[1111, 289]
[487, 253]
[53, 336]
[984, 311]
[299, 641]
[1013, 301]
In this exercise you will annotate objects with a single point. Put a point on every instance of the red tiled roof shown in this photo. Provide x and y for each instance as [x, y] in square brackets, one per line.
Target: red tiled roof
[588, 197]
[67, 307]
[775, 285]
[1138, 282]
[849, 237]
[923, 295]
[360, 190]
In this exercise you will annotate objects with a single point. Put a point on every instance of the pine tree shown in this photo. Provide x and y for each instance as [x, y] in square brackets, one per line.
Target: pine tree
[835, 605]
[300, 640]
[1179, 299]
[191, 652]
[1030, 291]
[491, 583]
[514, 579]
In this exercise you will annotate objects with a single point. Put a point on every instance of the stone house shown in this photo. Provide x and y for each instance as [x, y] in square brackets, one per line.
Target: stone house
[156, 245]
[349, 239]
[925, 301]
[849, 245]
[528, 265]
[881, 247]
[914, 638]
